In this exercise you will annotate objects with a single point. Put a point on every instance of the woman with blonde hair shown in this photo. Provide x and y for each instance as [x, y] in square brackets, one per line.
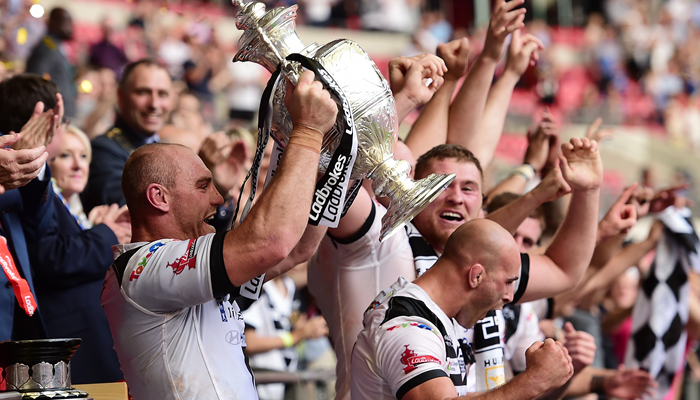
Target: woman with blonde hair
[71, 260]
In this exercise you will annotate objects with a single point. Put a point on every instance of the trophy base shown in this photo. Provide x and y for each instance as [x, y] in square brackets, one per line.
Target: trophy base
[412, 201]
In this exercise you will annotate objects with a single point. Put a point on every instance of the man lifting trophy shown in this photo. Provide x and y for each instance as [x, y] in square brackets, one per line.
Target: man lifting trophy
[360, 145]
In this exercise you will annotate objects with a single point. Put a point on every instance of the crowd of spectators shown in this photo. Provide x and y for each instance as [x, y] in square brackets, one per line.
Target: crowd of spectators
[92, 166]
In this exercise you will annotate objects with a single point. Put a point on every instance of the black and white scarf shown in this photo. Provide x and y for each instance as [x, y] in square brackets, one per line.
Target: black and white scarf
[658, 340]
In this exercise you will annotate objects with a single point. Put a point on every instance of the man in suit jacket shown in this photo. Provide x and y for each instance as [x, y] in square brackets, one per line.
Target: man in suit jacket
[144, 105]
[25, 206]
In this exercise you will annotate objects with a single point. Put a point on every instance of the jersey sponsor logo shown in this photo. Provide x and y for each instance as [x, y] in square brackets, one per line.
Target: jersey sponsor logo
[508, 313]
[453, 366]
[381, 297]
[253, 287]
[372, 306]
[495, 377]
[142, 264]
[410, 359]
[235, 338]
[415, 325]
[188, 260]
[222, 310]
[139, 268]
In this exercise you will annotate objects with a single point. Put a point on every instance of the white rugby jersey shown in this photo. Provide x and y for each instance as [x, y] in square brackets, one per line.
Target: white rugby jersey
[177, 329]
[407, 341]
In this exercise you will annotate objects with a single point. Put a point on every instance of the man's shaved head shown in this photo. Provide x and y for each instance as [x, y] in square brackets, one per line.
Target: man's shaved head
[152, 163]
[481, 241]
[475, 274]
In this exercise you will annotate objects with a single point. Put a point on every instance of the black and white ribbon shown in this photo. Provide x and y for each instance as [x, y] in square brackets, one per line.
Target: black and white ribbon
[264, 124]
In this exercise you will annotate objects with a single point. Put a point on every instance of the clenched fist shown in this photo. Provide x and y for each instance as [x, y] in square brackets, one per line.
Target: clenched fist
[311, 105]
[549, 365]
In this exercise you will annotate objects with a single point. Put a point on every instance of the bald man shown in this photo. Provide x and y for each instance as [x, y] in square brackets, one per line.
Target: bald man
[409, 347]
[170, 295]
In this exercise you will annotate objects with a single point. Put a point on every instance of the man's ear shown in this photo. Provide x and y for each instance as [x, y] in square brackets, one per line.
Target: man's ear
[476, 275]
[158, 197]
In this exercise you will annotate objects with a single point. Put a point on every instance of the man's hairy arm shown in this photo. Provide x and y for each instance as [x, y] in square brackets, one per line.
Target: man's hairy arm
[548, 367]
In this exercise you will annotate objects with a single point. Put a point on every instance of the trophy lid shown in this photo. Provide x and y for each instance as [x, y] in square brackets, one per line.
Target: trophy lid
[269, 36]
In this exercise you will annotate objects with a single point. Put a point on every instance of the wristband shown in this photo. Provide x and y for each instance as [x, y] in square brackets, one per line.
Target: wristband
[306, 136]
[527, 171]
[287, 339]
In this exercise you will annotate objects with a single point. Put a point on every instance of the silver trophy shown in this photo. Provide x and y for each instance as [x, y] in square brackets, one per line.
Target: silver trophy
[270, 37]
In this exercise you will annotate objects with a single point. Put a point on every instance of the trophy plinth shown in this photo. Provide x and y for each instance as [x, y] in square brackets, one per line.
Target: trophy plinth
[270, 37]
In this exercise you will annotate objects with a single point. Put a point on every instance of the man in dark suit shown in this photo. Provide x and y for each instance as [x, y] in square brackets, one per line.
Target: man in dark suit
[144, 104]
[25, 206]
[47, 58]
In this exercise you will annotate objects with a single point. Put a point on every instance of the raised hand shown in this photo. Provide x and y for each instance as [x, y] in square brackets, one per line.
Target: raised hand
[554, 152]
[581, 347]
[669, 197]
[629, 384]
[311, 105]
[118, 220]
[228, 173]
[429, 67]
[313, 328]
[621, 217]
[552, 187]
[523, 51]
[539, 144]
[456, 57]
[581, 164]
[38, 131]
[215, 149]
[18, 167]
[504, 21]
[421, 80]
[97, 213]
[641, 200]
[548, 365]
[593, 132]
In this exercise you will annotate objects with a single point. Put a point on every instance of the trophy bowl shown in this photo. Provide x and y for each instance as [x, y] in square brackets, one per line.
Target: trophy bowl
[269, 37]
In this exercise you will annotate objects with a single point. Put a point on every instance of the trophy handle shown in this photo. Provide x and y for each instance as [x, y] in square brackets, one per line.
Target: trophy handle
[408, 197]
[406, 204]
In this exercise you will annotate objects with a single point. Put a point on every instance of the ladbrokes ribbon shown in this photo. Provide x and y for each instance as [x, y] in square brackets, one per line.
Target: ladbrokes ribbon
[331, 189]
[19, 285]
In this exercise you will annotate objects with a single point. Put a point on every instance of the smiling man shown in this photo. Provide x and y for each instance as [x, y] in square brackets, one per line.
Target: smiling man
[170, 296]
[144, 101]
[352, 266]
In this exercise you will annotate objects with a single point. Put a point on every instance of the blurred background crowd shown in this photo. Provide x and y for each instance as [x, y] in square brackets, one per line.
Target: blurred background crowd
[632, 63]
